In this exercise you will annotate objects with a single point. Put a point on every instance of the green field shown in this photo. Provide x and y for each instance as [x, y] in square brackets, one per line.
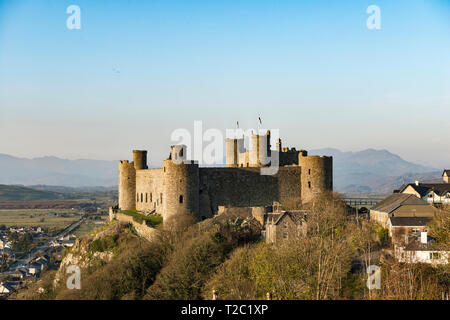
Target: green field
[36, 217]
[88, 226]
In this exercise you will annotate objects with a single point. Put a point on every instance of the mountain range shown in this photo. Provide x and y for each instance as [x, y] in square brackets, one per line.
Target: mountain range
[374, 171]
[367, 172]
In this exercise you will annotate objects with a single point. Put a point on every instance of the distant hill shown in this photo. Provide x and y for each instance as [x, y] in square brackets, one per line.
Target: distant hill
[373, 171]
[57, 172]
[20, 193]
[369, 171]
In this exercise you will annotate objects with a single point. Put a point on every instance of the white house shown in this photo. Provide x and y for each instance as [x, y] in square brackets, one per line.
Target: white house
[419, 249]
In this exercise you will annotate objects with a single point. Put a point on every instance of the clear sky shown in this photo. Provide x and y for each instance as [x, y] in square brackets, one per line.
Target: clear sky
[137, 70]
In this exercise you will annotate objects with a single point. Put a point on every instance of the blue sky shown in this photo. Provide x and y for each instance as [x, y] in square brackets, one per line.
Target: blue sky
[137, 70]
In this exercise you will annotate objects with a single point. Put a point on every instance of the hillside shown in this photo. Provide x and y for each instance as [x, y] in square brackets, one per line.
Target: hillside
[20, 193]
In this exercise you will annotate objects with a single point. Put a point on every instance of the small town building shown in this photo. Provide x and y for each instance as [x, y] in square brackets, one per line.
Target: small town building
[419, 248]
[285, 225]
[400, 205]
[401, 227]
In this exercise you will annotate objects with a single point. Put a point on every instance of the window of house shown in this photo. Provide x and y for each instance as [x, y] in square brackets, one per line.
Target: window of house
[285, 235]
[285, 225]
[181, 198]
[309, 184]
[309, 171]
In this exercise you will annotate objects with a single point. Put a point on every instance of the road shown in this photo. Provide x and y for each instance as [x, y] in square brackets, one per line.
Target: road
[46, 246]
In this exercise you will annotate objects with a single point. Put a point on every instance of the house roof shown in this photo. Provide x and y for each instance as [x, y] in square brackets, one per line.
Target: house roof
[446, 172]
[439, 188]
[409, 221]
[423, 188]
[420, 189]
[296, 216]
[396, 200]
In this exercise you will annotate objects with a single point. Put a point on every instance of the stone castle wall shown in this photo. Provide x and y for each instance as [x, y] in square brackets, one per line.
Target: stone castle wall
[141, 228]
[246, 187]
[149, 187]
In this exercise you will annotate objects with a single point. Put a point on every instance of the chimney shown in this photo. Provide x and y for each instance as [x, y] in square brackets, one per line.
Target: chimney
[417, 182]
[423, 237]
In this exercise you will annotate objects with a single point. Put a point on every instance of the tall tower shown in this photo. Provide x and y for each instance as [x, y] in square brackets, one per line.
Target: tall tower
[127, 179]
[260, 150]
[316, 175]
[127, 185]
[180, 184]
[231, 149]
[140, 159]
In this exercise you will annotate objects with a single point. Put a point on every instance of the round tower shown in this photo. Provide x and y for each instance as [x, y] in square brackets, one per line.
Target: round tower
[316, 175]
[180, 186]
[127, 185]
[140, 159]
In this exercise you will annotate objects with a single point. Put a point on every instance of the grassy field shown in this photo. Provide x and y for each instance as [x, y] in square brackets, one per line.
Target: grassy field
[88, 226]
[36, 217]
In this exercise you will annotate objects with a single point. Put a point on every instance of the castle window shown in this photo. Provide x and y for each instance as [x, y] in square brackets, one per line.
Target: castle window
[142, 197]
[164, 169]
[181, 198]
[309, 171]
[146, 197]
[160, 196]
[151, 197]
[309, 184]
[285, 225]
[137, 197]
[285, 235]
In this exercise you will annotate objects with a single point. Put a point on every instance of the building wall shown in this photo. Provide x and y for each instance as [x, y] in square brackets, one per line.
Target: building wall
[285, 230]
[414, 211]
[149, 186]
[246, 187]
[380, 217]
[422, 256]
[410, 190]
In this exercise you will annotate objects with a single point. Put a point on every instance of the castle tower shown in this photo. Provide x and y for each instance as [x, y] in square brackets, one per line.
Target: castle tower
[127, 185]
[231, 149]
[180, 184]
[260, 150]
[316, 175]
[140, 159]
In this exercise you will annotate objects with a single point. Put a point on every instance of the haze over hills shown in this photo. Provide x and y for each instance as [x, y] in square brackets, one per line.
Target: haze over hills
[57, 172]
[374, 171]
[367, 171]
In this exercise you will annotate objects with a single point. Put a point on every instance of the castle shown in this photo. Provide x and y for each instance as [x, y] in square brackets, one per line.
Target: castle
[181, 186]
